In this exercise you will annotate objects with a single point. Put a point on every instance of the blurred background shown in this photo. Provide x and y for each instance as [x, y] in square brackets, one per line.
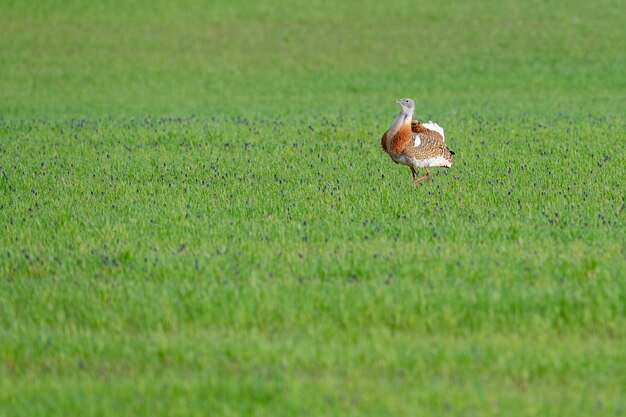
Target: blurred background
[138, 57]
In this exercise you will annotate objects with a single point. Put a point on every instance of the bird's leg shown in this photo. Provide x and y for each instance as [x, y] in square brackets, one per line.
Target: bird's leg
[416, 180]
[414, 173]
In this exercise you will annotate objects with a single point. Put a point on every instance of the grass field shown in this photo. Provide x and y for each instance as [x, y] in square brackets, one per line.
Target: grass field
[196, 217]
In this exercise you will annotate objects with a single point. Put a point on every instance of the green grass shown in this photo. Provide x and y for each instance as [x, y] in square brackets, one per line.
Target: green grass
[196, 217]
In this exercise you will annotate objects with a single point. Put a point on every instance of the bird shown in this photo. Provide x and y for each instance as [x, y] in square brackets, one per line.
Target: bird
[415, 144]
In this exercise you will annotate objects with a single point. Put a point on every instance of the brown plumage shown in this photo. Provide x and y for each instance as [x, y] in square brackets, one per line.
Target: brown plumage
[415, 144]
[401, 139]
[418, 127]
[430, 147]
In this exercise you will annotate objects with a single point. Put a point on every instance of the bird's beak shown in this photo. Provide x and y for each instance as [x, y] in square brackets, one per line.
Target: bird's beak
[399, 101]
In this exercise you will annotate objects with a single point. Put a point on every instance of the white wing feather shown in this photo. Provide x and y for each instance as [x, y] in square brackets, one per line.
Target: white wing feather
[434, 126]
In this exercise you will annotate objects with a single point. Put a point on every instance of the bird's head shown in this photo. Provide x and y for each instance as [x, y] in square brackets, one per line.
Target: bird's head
[407, 105]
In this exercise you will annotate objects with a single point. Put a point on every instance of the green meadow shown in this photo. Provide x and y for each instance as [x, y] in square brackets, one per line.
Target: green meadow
[196, 217]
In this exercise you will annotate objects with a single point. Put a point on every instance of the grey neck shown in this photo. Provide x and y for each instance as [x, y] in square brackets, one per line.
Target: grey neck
[405, 116]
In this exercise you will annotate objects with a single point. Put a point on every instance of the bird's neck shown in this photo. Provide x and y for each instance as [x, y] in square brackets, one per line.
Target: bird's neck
[401, 119]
